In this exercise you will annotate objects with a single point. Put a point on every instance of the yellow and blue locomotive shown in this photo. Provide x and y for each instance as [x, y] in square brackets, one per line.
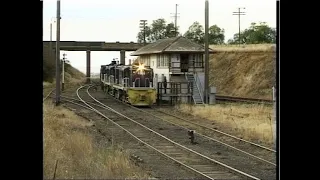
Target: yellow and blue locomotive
[130, 83]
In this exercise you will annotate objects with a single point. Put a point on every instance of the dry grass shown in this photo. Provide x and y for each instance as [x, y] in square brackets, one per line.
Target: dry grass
[67, 139]
[249, 121]
[46, 84]
[244, 74]
[244, 48]
[71, 84]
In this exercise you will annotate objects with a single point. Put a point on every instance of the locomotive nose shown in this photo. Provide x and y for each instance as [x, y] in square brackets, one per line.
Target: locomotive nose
[142, 97]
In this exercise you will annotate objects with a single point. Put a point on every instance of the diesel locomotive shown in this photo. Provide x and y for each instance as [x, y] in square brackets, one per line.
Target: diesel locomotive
[129, 83]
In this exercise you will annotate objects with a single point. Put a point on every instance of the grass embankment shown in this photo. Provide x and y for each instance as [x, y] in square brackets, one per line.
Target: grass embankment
[249, 121]
[244, 71]
[244, 48]
[68, 140]
[73, 80]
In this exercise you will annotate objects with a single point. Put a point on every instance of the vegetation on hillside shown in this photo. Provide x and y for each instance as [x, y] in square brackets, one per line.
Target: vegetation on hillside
[244, 72]
[256, 34]
[49, 69]
[48, 66]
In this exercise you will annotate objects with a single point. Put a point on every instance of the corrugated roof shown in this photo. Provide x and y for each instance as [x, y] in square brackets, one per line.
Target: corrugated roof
[170, 45]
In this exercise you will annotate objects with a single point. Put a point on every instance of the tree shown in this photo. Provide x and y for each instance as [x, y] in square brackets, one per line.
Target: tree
[171, 31]
[158, 30]
[196, 33]
[255, 34]
[216, 35]
[140, 35]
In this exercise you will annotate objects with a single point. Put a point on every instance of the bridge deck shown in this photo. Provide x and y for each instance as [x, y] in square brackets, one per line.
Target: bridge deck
[95, 45]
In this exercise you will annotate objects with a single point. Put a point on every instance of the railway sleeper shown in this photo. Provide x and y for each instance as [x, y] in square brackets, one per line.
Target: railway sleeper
[172, 153]
[167, 148]
[164, 144]
[175, 154]
[139, 134]
[205, 168]
[226, 176]
[214, 171]
[187, 159]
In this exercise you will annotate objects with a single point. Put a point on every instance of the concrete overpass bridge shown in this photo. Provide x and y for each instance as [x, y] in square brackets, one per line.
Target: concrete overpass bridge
[49, 49]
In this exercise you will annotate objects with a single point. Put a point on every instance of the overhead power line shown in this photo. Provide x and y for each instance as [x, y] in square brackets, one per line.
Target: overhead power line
[143, 24]
[239, 13]
[175, 20]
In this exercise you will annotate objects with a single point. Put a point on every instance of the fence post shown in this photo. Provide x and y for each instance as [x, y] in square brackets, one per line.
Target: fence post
[274, 116]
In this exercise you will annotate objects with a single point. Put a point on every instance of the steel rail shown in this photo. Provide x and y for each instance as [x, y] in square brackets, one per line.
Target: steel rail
[188, 149]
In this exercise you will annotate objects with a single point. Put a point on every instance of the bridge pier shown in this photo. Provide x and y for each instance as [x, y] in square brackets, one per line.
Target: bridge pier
[123, 57]
[88, 66]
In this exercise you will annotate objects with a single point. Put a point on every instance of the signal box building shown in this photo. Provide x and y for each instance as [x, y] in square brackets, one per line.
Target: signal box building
[178, 66]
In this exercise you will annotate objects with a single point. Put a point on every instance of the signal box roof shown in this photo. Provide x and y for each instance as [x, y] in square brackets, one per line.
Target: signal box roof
[171, 45]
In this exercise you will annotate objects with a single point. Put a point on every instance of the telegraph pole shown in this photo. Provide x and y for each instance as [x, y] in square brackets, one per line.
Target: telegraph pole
[206, 54]
[175, 20]
[143, 24]
[63, 61]
[58, 55]
[50, 44]
[274, 98]
[239, 13]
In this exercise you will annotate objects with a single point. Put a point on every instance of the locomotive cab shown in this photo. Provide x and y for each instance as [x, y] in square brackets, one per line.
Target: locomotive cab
[142, 76]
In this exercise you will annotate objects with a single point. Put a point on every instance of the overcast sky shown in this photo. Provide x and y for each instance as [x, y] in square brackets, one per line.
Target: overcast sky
[111, 21]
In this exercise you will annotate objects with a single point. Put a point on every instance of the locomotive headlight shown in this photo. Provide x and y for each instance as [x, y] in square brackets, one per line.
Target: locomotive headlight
[140, 69]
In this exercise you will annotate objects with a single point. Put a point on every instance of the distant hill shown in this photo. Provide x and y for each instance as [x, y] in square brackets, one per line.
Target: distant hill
[49, 69]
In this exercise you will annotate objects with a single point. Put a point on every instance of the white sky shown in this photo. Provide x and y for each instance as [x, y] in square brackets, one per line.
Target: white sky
[111, 21]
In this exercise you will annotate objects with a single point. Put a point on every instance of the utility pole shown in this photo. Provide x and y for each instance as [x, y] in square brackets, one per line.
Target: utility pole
[206, 54]
[239, 13]
[143, 24]
[50, 44]
[274, 98]
[63, 61]
[58, 55]
[175, 21]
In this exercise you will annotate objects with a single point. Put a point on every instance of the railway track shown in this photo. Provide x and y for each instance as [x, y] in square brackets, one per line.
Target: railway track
[242, 99]
[190, 159]
[254, 150]
[163, 116]
[265, 168]
[260, 152]
[48, 95]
